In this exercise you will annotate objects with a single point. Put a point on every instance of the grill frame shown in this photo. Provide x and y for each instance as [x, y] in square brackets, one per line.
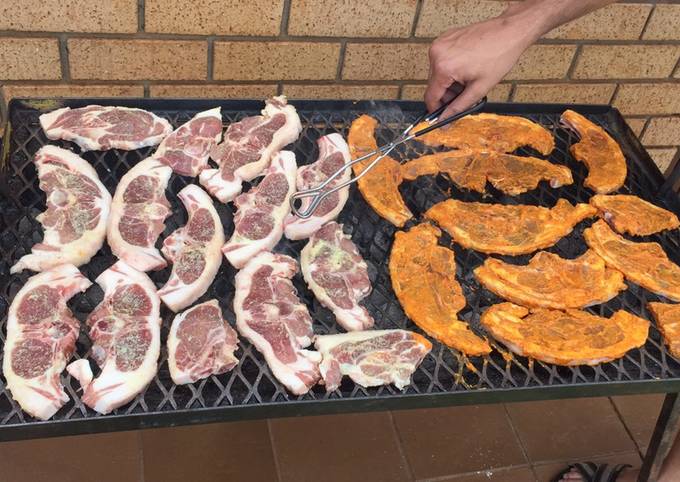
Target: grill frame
[489, 382]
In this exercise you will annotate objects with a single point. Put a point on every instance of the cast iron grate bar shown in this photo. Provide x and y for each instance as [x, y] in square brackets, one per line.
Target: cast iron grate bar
[444, 373]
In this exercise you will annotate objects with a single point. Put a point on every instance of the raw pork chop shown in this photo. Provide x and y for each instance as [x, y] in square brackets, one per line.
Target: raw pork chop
[201, 343]
[78, 207]
[125, 329]
[41, 337]
[261, 211]
[270, 315]
[186, 150]
[371, 358]
[333, 154]
[194, 250]
[249, 146]
[97, 128]
[138, 212]
[337, 274]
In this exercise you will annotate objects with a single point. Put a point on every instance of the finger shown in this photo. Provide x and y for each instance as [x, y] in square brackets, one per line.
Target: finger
[437, 85]
[466, 99]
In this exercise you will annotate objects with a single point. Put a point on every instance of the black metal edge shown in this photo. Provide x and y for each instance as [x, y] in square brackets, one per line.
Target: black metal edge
[48, 104]
[175, 418]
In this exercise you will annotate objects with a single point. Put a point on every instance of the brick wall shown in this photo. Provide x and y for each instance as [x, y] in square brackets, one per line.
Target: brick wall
[626, 54]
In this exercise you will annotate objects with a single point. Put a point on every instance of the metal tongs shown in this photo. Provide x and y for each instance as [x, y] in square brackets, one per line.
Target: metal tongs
[319, 194]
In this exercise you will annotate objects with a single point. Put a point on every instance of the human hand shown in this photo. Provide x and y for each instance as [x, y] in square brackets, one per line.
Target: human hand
[466, 63]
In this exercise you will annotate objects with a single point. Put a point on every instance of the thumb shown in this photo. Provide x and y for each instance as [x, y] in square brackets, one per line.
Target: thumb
[436, 88]
[466, 99]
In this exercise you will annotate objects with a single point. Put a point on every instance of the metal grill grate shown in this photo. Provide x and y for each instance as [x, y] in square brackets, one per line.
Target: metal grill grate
[249, 391]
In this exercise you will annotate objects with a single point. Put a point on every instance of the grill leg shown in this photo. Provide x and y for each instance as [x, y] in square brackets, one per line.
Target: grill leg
[665, 433]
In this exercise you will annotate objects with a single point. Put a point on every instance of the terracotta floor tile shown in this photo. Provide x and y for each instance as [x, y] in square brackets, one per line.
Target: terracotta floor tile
[111, 457]
[447, 441]
[569, 429]
[221, 452]
[639, 413]
[518, 474]
[546, 472]
[338, 448]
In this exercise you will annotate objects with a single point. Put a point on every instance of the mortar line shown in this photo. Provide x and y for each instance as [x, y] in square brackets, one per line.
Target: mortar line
[676, 70]
[416, 19]
[143, 35]
[574, 60]
[285, 18]
[341, 61]
[141, 13]
[647, 20]
[64, 58]
[615, 94]
[211, 58]
[644, 128]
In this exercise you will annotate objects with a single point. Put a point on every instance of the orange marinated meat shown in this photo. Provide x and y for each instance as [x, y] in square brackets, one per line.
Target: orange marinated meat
[549, 281]
[645, 264]
[606, 163]
[471, 169]
[423, 276]
[667, 318]
[380, 186]
[501, 133]
[570, 337]
[630, 214]
[507, 229]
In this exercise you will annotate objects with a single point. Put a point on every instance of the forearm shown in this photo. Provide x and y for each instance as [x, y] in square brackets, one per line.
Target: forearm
[539, 17]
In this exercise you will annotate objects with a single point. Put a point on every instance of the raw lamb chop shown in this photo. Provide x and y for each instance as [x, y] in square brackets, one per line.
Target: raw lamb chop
[41, 338]
[371, 358]
[138, 212]
[337, 274]
[333, 154]
[186, 150]
[249, 146]
[201, 343]
[126, 336]
[259, 219]
[194, 250]
[270, 315]
[78, 207]
[97, 128]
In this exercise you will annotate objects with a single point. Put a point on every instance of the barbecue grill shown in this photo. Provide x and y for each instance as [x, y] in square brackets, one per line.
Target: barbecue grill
[250, 390]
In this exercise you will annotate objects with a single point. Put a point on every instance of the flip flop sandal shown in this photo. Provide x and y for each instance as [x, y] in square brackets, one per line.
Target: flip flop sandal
[594, 473]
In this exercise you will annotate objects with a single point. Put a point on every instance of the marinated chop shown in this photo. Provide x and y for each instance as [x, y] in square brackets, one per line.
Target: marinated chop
[258, 222]
[549, 281]
[333, 154]
[570, 337]
[41, 338]
[503, 229]
[194, 250]
[338, 276]
[271, 316]
[249, 146]
[380, 186]
[472, 169]
[125, 329]
[201, 343]
[371, 358]
[632, 215]
[97, 128]
[667, 318]
[138, 213]
[78, 207]
[186, 150]
[423, 276]
[606, 163]
[645, 264]
[501, 133]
